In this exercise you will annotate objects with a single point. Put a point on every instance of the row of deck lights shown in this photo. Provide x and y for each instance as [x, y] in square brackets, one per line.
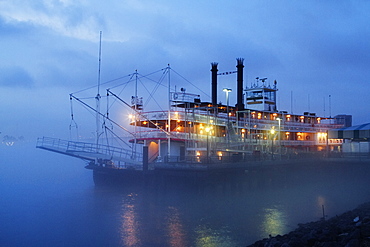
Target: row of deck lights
[287, 117]
[208, 129]
[227, 91]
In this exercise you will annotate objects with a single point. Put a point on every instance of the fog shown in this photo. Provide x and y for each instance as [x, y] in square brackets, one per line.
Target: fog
[50, 199]
[50, 48]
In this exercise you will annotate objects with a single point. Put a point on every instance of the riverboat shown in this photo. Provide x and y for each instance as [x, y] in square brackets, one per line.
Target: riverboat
[193, 137]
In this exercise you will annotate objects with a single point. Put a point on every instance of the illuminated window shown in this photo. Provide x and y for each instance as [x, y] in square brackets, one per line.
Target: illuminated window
[299, 136]
[287, 134]
[322, 134]
[243, 133]
[219, 154]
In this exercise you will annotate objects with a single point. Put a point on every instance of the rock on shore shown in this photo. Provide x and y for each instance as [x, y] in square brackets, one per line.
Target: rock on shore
[350, 229]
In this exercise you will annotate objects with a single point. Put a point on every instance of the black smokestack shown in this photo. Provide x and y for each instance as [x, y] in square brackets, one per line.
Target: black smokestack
[240, 66]
[214, 83]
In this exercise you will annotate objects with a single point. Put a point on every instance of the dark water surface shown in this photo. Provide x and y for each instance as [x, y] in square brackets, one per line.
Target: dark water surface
[49, 199]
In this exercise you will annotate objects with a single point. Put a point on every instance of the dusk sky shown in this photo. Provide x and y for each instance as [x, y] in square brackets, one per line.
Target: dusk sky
[50, 48]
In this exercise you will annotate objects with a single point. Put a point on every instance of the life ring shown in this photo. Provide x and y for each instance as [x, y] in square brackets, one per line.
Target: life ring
[175, 96]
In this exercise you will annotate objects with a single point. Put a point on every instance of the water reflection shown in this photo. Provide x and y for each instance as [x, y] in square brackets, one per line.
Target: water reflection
[230, 213]
[274, 222]
[175, 228]
[206, 236]
[130, 225]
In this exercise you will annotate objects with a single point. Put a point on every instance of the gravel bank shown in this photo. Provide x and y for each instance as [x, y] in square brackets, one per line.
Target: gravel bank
[350, 229]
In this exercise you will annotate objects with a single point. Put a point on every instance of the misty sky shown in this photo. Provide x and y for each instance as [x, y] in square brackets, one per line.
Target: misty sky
[50, 48]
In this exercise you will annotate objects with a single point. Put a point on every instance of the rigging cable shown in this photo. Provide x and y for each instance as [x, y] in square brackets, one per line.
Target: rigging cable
[89, 107]
[191, 83]
[159, 83]
[130, 80]
[140, 114]
[105, 123]
[114, 134]
[113, 80]
[131, 76]
[73, 123]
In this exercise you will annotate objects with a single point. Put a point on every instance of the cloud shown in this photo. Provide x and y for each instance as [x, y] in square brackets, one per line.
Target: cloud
[309, 47]
[64, 17]
[11, 30]
[15, 77]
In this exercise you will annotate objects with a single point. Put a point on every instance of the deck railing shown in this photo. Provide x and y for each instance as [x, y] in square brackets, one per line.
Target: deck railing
[64, 146]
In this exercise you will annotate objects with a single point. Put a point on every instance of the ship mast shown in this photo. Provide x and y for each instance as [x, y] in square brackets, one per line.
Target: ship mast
[169, 114]
[97, 98]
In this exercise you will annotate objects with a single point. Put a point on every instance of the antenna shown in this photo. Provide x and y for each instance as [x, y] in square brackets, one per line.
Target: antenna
[256, 85]
[329, 105]
[263, 81]
[291, 102]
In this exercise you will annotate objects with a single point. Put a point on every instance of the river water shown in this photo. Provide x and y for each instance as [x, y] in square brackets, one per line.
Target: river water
[48, 199]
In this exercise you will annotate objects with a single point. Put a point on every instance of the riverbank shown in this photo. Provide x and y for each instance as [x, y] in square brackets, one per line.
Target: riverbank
[350, 229]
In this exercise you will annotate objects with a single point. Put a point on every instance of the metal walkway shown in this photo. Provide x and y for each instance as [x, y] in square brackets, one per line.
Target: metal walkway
[89, 151]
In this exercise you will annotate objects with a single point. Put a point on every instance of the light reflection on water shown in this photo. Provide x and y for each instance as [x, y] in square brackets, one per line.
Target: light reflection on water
[206, 236]
[130, 225]
[175, 229]
[49, 200]
[274, 222]
[233, 214]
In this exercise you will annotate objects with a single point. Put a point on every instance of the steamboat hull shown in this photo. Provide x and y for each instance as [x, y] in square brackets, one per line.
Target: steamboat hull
[165, 175]
[193, 174]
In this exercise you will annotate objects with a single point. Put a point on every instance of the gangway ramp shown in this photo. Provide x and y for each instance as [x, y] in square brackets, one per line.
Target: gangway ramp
[89, 151]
